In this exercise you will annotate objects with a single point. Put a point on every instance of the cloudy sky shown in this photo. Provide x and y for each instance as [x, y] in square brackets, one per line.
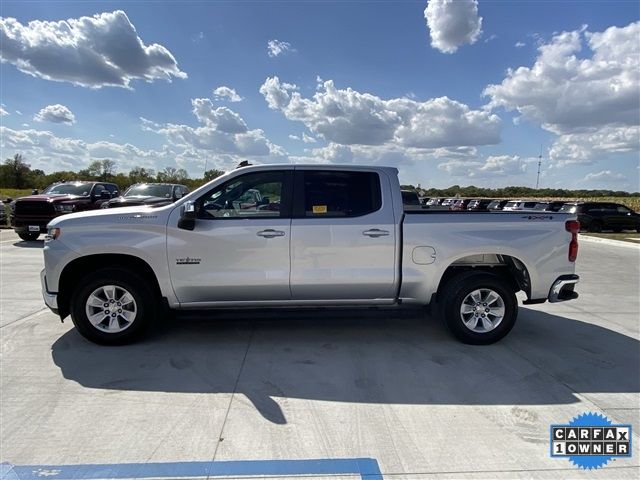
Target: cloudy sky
[450, 92]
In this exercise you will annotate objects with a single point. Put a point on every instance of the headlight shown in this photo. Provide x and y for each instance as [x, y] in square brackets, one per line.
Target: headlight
[64, 208]
[52, 234]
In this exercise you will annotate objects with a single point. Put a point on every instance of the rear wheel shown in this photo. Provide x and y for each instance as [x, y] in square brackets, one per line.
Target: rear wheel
[113, 306]
[478, 308]
[29, 236]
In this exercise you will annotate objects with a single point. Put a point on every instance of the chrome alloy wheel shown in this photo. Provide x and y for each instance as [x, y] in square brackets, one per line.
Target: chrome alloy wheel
[482, 310]
[111, 309]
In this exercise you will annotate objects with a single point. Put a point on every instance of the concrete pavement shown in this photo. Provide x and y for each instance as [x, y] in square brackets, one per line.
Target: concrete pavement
[280, 386]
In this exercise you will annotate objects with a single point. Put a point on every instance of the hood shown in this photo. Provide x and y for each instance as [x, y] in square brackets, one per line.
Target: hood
[138, 200]
[111, 216]
[54, 198]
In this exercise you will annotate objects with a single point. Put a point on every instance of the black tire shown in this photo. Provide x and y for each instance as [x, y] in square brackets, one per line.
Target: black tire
[146, 304]
[458, 288]
[595, 226]
[29, 236]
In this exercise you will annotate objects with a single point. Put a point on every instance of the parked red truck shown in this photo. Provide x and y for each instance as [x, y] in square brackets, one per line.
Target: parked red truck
[30, 215]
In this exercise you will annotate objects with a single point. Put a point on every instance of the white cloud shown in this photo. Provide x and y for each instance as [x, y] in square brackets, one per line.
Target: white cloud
[591, 146]
[492, 166]
[55, 114]
[453, 23]
[3, 112]
[349, 117]
[221, 119]
[103, 50]
[308, 138]
[276, 48]
[520, 44]
[226, 93]
[606, 176]
[44, 150]
[18, 112]
[591, 101]
[221, 132]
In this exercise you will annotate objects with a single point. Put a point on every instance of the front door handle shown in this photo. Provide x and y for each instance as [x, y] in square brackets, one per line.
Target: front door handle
[270, 233]
[375, 232]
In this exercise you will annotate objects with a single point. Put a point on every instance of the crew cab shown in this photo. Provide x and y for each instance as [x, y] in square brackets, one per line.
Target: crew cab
[30, 215]
[325, 236]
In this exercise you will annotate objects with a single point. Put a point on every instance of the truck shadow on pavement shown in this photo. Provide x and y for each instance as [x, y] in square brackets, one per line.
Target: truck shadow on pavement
[370, 357]
[29, 244]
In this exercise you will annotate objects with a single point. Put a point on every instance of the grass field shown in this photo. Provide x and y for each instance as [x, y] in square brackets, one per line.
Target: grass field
[630, 237]
[14, 193]
[631, 202]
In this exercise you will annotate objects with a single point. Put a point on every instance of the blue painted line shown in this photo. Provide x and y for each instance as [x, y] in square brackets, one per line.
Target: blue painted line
[367, 468]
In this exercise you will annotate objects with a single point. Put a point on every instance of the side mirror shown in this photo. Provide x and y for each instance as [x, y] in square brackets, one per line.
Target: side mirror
[35, 191]
[7, 200]
[188, 216]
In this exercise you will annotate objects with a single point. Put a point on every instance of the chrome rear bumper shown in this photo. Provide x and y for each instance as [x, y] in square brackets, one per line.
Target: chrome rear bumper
[563, 289]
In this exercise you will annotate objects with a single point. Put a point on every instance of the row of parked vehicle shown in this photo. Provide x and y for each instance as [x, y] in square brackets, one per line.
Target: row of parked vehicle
[593, 216]
[30, 215]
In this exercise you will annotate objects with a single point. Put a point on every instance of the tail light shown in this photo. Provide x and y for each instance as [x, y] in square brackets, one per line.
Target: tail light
[573, 227]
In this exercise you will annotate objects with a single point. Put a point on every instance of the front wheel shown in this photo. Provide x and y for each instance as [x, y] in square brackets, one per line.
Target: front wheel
[113, 306]
[29, 236]
[478, 308]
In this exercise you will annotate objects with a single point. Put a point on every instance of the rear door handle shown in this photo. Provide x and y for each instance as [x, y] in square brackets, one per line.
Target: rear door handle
[375, 232]
[270, 233]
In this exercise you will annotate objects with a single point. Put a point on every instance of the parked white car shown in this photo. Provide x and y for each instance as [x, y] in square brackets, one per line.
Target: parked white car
[519, 205]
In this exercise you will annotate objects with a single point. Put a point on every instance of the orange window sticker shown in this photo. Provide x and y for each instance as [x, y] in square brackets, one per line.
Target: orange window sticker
[319, 209]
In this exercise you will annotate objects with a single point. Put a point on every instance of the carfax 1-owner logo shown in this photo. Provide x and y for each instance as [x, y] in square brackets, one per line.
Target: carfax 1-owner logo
[590, 440]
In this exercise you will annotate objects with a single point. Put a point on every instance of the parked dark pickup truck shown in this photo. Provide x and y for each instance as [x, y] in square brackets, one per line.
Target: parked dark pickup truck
[30, 215]
[153, 194]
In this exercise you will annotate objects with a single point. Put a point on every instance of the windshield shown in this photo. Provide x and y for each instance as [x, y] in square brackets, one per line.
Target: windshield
[81, 189]
[147, 190]
[567, 207]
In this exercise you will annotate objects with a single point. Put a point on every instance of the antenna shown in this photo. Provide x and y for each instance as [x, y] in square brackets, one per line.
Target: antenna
[539, 163]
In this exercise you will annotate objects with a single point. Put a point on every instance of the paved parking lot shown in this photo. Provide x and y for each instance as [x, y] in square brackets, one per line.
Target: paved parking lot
[365, 394]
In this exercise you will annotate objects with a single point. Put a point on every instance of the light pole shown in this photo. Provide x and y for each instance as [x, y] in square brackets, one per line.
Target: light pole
[539, 164]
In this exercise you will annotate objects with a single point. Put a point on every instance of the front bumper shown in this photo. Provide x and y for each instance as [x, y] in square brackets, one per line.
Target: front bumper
[50, 299]
[21, 224]
[563, 289]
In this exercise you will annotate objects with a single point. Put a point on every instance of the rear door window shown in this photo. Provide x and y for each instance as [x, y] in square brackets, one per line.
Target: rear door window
[328, 193]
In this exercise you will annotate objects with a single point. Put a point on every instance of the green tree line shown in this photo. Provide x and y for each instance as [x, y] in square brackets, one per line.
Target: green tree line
[515, 192]
[16, 173]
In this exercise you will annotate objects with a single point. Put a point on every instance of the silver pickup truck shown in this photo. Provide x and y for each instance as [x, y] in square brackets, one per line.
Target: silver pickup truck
[320, 235]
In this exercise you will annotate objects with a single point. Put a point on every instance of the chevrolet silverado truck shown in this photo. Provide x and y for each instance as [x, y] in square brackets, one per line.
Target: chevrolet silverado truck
[30, 215]
[326, 236]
